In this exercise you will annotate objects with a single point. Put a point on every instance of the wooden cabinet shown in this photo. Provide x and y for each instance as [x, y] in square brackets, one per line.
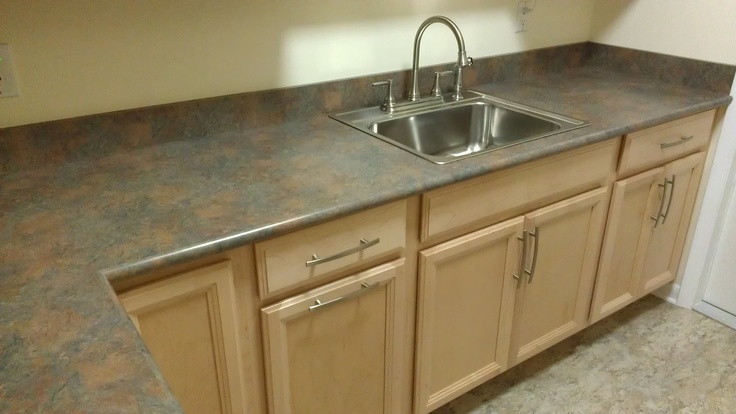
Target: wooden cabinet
[479, 310]
[466, 294]
[650, 212]
[501, 294]
[662, 258]
[501, 267]
[338, 348]
[189, 324]
[648, 221]
[563, 244]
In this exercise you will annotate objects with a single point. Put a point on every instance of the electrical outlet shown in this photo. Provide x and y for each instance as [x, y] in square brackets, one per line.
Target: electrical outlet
[8, 81]
[522, 15]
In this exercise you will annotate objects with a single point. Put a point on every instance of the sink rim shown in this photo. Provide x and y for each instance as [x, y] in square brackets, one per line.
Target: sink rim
[364, 120]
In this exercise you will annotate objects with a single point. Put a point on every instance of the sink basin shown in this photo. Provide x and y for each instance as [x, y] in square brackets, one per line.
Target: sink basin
[452, 131]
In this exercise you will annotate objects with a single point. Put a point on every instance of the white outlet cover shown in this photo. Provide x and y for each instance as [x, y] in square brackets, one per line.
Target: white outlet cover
[8, 81]
[523, 8]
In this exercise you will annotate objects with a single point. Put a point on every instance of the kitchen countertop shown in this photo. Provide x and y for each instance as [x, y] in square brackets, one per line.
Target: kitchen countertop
[66, 345]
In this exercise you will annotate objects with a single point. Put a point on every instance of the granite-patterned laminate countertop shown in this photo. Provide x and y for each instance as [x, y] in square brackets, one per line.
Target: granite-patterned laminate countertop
[66, 345]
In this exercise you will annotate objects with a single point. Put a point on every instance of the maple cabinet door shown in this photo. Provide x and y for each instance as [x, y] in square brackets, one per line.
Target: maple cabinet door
[664, 250]
[563, 242]
[634, 206]
[466, 292]
[189, 324]
[338, 348]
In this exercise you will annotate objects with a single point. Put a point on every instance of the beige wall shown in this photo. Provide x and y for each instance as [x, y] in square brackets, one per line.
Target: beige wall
[698, 29]
[90, 56]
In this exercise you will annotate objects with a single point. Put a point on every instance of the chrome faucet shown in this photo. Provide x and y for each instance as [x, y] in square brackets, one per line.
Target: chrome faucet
[390, 104]
[462, 58]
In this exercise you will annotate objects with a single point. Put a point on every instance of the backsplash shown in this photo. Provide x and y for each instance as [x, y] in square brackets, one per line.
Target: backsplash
[51, 143]
[667, 68]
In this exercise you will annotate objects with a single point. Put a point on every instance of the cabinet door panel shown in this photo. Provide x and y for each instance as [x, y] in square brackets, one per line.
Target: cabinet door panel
[189, 325]
[342, 356]
[466, 290]
[668, 238]
[554, 303]
[635, 200]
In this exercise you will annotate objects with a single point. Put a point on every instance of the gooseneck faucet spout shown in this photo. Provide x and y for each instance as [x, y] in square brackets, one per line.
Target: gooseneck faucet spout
[462, 58]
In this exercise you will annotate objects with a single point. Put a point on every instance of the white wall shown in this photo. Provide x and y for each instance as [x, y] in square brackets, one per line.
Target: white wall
[707, 240]
[705, 30]
[88, 56]
[719, 290]
[698, 29]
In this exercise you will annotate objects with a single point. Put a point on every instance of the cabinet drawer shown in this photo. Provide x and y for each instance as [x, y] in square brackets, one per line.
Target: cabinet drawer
[497, 195]
[338, 348]
[657, 145]
[300, 257]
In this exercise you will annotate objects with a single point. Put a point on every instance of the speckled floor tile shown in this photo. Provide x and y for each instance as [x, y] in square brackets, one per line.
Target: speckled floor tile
[651, 357]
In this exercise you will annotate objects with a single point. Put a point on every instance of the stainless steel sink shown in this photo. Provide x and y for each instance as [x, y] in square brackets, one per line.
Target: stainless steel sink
[452, 131]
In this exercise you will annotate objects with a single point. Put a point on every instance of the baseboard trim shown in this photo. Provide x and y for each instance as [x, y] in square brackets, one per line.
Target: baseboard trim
[668, 292]
[716, 313]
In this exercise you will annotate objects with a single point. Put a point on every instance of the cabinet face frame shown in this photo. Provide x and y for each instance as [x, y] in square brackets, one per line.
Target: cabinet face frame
[611, 252]
[508, 235]
[216, 283]
[389, 277]
[595, 202]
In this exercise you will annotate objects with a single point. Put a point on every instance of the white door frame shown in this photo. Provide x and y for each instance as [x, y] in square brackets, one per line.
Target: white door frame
[710, 219]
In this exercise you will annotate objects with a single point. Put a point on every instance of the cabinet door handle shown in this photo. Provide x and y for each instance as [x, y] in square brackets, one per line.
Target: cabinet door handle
[535, 236]
[364, 288]
[364, 244]
[661, 204]
[683, 139]
[669, 199]
[664, 211]
[522, 260]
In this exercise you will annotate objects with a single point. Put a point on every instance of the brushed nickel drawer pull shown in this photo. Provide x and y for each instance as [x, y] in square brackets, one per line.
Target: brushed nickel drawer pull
[531, 271]
[364, 287]
[661, 204]
[669, 199]
[683, 139]
[522, 259]
[364, 244]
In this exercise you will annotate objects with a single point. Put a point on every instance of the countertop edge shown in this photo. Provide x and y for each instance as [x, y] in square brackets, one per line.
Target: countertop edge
[126, 272]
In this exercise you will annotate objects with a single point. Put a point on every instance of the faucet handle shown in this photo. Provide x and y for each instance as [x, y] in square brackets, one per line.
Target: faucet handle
[436, 89]
[389, 103]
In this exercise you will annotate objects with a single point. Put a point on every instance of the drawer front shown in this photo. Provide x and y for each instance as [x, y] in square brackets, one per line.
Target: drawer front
[655, 146]
[339, 348]
[499, 194]
[300, 257]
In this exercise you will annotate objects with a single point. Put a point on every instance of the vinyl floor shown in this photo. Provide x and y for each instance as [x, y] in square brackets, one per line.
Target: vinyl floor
[651, 357]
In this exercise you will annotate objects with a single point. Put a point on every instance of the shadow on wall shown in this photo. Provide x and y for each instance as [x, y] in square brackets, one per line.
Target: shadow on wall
[606, 14]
